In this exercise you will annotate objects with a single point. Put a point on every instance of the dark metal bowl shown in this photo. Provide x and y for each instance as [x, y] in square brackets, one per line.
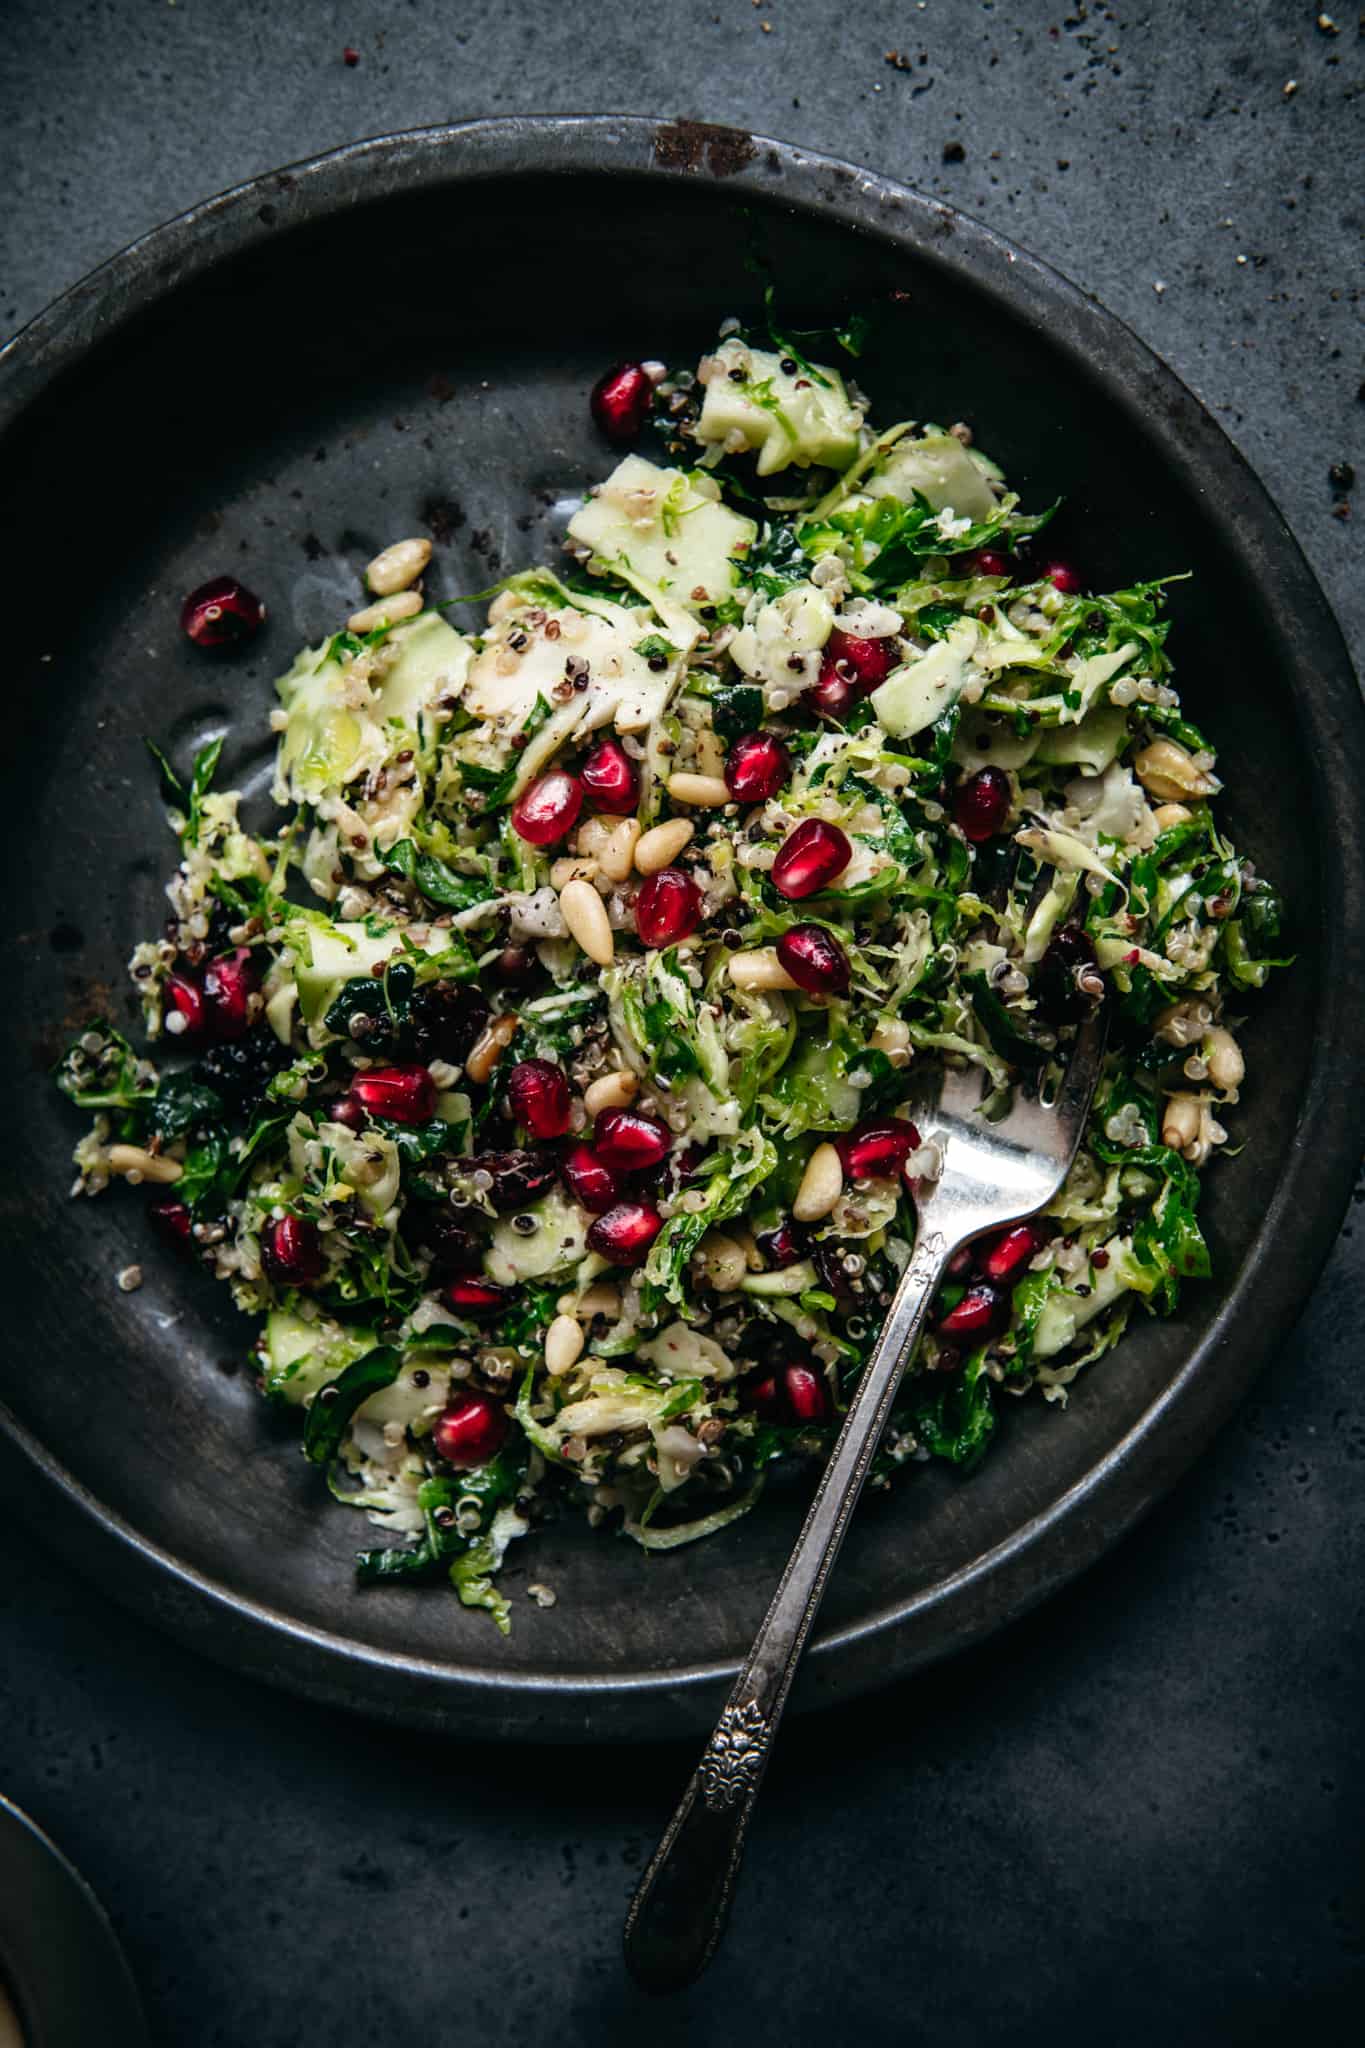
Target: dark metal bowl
[401, 336]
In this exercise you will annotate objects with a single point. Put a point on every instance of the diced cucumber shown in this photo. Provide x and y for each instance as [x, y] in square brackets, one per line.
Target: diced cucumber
[299, 1356]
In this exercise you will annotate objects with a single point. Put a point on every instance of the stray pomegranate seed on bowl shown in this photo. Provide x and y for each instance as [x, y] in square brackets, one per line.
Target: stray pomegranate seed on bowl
[470, 1430]
[813, 854]
[620, 401]
[538, 1092]
[221, 613]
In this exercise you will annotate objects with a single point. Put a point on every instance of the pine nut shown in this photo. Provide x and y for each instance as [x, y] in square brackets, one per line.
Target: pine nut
[661, 845]
[585, 914]
[1167, 815]
[397, 567]
[1180, 1122]
[822, 1183]
[616, 856]
[489, 1047]
[1227, 1068]
[710, 754]
[1167, 771]
[759, 970]
[563, 1344]
[706, 792]
[611, 1091]
[892, 1038]
[130, 1159]
[722, 1261]
[571, 867]
[389, 610]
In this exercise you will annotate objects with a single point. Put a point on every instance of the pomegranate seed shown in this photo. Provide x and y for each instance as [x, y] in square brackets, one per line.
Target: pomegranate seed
[865, 663]
[806, 1393]
[982, 1311]
[515, 967]
[763, 1397]
[1055, 981]
[784, 1244]
[291, 1252]
[981, 803]
[667, 909]
[1063, 576]
[815, 961]
[222, 613]
[877, 1149]
[470, 1296]
[620, 401]
[1006, 1256]
[171, 1218]
[538, 1092]
[832, 694]
[518, 1176]
[404, 1095]
[810, 856]
[346, 1110]
[187, 999]
[989, 562]
[228, 982]
[470, 1431]
[756, 767]
[589, 1180]
[629, 1141]
[545, 811]
[962, 1261]
[611, 779]
[626, 1232]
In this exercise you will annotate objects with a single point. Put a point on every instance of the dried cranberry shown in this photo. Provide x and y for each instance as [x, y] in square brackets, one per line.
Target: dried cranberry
[515, 966]
[589, 1180]
[1054, 982]
[470, 1431]
[982, 1312]
[630, 1142]
[229, 982]
[241, 1069]
[814, 959]
[548, 808]
[291, 1252]
[402, 1095]
[667, 909]
[625, 1233]
[756, 767]
[455, 1250]
[621, 400]
[444, 1019]
[1004, 1258]
[518, 1176]
[810, 857]
[611, 779]
[171, 1218]
[1063, 576]
[187, 1000]
[221, 613]
[784, 1244]
[468, 1295]
[538, 1092]
[981, 803]
[877, 1148]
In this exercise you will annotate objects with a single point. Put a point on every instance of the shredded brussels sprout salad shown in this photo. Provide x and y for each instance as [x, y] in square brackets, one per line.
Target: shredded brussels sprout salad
[541, 1082]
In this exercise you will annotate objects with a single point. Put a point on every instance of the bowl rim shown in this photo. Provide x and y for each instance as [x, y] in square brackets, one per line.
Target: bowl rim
[1303, 1209]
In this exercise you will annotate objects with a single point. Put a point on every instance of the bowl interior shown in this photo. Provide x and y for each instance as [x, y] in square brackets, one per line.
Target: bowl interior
[419, 362]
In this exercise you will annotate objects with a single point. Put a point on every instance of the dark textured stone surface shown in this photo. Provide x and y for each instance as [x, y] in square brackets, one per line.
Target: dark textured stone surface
[1138, 1811]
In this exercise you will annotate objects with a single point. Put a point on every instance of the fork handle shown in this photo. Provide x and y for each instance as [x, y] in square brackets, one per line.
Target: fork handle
[679, 1910]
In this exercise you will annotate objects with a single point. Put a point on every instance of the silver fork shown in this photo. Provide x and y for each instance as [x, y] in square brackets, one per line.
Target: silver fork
[992, 1174]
